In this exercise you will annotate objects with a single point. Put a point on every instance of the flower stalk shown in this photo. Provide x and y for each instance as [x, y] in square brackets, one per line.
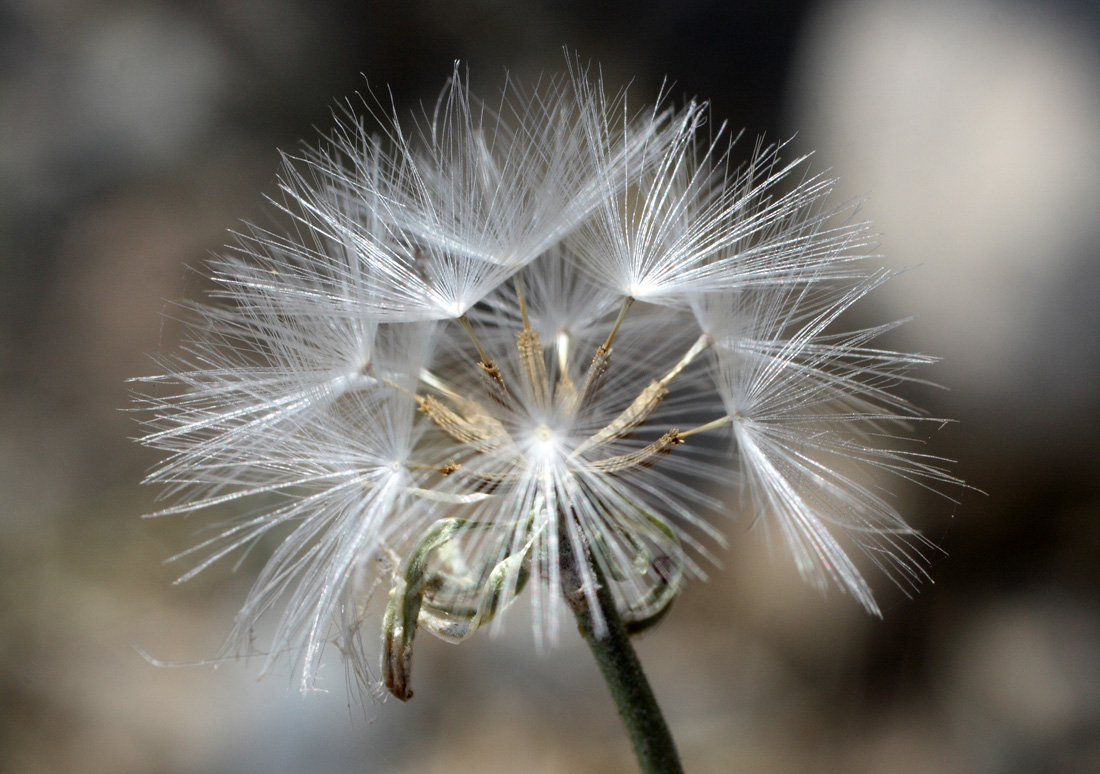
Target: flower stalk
[610, 644]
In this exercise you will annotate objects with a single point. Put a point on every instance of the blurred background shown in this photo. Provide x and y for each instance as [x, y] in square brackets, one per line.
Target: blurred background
[134, 134]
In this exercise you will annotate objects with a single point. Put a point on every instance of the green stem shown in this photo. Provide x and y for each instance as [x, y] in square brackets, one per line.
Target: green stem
[652, 740]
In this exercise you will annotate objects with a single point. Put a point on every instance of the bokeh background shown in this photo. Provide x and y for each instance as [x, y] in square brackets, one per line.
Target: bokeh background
[134, 134]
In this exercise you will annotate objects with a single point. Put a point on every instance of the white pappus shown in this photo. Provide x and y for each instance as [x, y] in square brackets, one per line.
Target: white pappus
[508, 332]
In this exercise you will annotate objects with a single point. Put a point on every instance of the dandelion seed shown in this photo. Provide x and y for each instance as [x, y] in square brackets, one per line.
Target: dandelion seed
[523, 341]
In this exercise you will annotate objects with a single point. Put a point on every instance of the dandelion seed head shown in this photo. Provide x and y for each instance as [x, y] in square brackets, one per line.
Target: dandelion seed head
[523, 328]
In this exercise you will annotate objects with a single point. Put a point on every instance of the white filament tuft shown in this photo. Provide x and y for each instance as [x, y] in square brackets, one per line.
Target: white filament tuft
[544, 318]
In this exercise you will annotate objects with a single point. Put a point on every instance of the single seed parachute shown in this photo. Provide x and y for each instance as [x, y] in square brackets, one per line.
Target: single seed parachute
[513, 331]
